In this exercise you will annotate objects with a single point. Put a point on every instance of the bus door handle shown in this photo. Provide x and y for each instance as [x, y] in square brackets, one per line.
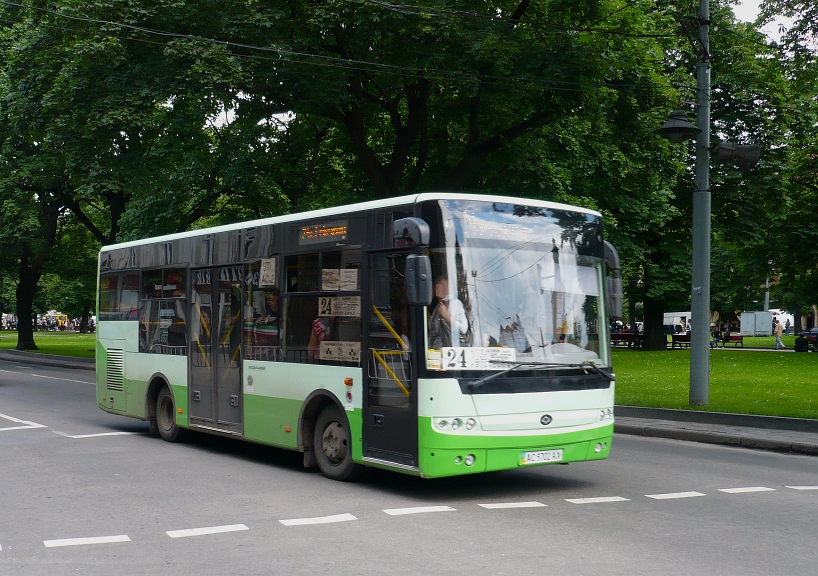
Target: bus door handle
[378, 420]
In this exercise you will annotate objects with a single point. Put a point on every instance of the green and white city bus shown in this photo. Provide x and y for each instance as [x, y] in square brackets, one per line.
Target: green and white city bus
[434, 334]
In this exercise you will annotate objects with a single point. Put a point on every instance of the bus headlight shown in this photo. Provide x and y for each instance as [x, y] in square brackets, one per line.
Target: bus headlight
[455, 424]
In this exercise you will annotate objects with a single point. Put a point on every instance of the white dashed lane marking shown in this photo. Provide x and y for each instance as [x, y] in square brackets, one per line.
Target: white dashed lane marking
[673, 495]
[84, 541]
[26, 424]
[747, 489]
[498, 505]
[418, 510]
[205, 531]
[319, 520]
[602, 500]
[802, 487]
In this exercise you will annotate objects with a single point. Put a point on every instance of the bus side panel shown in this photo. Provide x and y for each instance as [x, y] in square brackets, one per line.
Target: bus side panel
[140, 367]
[274, 393]
[512, 428]
[113, 341]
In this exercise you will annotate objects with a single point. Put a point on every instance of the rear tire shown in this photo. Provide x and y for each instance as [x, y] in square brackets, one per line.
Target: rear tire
[166, 416]
[333, 448]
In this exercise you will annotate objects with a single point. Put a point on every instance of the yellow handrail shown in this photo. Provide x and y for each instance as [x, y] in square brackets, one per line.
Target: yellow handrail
[397, 337]
[379, 358]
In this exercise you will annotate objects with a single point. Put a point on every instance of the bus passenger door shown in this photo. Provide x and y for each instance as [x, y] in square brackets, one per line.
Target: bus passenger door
[390, 422]
[215, 349]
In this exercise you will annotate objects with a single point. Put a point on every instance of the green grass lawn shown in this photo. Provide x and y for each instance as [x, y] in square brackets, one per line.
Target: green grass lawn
[58, 343]
[743, 382]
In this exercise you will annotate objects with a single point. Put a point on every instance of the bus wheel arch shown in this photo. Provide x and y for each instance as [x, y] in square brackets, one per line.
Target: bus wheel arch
[310, 410]
[326, 438]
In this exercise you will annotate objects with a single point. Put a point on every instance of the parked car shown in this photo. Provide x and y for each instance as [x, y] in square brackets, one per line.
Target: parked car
[674, 329]
[812, 337]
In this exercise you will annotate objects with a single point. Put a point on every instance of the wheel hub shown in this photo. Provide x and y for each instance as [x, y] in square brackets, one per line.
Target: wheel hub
[334, 442]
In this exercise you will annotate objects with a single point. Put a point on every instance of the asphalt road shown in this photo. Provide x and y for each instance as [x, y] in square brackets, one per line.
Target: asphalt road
[82, 491]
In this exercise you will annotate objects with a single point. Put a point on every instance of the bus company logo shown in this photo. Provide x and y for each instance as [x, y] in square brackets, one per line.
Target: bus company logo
[546, 420]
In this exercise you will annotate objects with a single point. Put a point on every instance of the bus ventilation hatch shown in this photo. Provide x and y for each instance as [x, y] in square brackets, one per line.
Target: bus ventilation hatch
[115, 377]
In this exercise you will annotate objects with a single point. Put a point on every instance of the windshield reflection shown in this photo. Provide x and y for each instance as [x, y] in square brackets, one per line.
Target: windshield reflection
[514, 284]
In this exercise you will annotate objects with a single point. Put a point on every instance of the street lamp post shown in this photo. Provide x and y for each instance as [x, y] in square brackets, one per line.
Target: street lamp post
[677, 129]
[700, 293]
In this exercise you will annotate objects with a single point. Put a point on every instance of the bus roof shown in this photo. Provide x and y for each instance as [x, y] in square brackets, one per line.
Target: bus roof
[347, 208]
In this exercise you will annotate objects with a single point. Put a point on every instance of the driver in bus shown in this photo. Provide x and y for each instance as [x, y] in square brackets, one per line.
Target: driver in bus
[448, 318]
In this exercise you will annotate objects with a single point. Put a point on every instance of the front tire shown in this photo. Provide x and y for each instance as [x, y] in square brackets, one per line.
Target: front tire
[333, 447]
[166, 416]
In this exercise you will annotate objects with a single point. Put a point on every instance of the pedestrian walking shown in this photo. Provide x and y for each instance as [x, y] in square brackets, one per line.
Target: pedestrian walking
[778, 331]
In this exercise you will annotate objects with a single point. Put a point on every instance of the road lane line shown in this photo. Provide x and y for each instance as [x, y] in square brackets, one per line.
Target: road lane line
[64, 435]
[500, 505]
[418, 510]
[673, 495]
[318, 520]
[802, 487]
[83, 541]
[601, 500]
[747, 489]
[64, 379]
[204, 531]
[26, 424]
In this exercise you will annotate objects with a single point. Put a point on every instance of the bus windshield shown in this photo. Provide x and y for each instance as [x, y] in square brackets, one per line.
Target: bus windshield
[515, 284]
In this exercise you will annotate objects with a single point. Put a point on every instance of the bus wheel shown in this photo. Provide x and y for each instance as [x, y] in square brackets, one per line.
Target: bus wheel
[333, 450]
[166, 416]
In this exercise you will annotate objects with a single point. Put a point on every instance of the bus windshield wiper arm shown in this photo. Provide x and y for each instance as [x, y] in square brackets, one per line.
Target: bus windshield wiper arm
[587, 366]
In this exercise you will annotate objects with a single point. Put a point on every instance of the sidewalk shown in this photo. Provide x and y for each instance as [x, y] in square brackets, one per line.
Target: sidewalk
[762, 432]
[51, 360]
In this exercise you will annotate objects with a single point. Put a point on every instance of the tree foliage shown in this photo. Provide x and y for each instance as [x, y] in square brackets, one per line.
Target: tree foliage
[137, 119]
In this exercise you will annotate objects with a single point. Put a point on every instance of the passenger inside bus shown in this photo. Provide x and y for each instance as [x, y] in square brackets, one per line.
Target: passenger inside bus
[448, 320]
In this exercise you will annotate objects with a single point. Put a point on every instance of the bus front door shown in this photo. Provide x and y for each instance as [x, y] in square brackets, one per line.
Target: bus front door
[390, 421]
[215, 349]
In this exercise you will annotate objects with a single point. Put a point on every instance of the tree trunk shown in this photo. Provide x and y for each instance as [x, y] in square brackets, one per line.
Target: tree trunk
[26, 291]
[654, 338]
[86, 314]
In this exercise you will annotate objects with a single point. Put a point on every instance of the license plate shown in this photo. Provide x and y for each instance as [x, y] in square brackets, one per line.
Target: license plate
[542, 456]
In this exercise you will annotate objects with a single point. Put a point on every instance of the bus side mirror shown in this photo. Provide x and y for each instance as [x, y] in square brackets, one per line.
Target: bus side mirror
[613, 284]
[418, 280]
[410, 232]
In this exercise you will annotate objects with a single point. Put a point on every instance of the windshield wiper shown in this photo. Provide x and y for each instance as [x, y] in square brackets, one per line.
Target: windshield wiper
[587, 366]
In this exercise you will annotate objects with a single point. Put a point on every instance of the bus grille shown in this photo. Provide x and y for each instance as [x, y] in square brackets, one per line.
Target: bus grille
[115, 377]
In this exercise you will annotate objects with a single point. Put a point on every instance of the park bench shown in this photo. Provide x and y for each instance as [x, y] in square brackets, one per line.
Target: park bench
[681, 340]
[626, 338]
[735, 339]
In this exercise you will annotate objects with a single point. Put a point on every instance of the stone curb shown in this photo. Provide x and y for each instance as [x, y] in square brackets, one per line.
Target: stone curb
[719, 418]
[745, 438]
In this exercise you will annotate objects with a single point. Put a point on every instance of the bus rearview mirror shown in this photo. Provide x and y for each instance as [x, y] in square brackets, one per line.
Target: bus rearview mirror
[613, 283]
[418, 280]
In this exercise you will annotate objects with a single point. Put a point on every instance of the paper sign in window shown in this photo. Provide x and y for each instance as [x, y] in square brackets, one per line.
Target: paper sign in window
[349, 279]
[340, 351]
[331, 279]
[267, 277]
